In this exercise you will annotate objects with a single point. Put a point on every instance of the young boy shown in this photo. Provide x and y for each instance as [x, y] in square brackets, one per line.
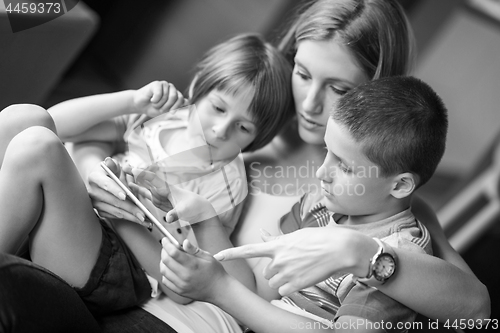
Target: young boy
[384, 139]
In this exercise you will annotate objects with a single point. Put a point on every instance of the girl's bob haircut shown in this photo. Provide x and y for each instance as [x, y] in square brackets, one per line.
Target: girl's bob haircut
[247, 60]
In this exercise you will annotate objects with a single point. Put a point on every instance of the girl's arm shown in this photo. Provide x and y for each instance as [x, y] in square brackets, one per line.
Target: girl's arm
[212, 237]
[77, 116]
[210, 233]
[146, 249]
[88, 116]
[106, 199]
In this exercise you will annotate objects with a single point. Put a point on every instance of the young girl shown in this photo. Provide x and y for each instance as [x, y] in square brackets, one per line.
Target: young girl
[242, 98]
[44, 197]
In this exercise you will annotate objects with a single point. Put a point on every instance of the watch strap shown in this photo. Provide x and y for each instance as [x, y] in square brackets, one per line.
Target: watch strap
[370, 280]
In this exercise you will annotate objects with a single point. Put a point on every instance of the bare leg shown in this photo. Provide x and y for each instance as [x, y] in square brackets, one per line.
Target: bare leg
[42, 194]
[13, 120]
[18, 117]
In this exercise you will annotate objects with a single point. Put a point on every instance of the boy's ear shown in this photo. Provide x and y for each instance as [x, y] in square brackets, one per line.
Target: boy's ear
[403, 185]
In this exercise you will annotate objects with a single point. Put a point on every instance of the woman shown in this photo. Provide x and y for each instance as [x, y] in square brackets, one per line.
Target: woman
[331, 54]
[374, 17]
[336, 45]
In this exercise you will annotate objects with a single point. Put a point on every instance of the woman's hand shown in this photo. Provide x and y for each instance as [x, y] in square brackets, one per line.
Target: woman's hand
[158, 97]
[108, 199]
[305, 257]
[193, 272]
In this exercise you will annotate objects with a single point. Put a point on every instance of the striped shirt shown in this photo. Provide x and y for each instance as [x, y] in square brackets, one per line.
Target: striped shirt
[339, 295]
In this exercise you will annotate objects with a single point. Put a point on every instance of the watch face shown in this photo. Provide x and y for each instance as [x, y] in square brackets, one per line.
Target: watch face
[384, 267]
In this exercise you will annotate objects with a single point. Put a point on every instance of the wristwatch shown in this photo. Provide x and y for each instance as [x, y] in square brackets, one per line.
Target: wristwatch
[381, 266]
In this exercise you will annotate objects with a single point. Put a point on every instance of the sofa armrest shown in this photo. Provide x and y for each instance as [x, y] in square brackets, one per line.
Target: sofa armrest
[32, 61]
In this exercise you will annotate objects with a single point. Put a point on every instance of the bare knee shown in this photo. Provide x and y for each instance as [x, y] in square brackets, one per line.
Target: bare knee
[18, 117]
[35, 147]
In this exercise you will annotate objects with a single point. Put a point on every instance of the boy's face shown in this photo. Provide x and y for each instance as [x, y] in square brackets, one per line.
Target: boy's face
[351, 183]
[226, 121]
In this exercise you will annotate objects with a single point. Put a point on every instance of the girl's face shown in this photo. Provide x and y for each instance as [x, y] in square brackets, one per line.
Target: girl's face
[323, 71]
[227, 122]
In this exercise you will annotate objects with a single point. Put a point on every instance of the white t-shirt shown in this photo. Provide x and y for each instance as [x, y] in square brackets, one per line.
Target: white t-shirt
[195, 317]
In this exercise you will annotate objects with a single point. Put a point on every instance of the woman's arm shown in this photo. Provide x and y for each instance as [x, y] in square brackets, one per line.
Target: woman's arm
[424, 283]
[429, 286]
[196, 274]
[440, 245]
[439, 279]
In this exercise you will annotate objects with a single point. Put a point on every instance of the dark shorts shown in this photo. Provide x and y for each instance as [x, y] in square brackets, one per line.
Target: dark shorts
[117, 281]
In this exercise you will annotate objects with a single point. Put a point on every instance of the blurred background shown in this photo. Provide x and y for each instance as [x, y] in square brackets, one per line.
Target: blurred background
[102, 46]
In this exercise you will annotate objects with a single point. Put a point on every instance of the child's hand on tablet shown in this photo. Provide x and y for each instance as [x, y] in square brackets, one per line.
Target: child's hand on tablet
[109, 199]
[177, 202]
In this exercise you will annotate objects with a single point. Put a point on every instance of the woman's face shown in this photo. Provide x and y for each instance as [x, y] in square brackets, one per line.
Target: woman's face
[323, 71]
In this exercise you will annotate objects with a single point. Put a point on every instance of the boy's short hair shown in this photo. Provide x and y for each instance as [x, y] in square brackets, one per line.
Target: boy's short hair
[248, 59]
[401, 123]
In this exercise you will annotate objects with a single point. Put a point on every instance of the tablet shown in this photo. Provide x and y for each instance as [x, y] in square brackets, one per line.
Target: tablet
[141, 206]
